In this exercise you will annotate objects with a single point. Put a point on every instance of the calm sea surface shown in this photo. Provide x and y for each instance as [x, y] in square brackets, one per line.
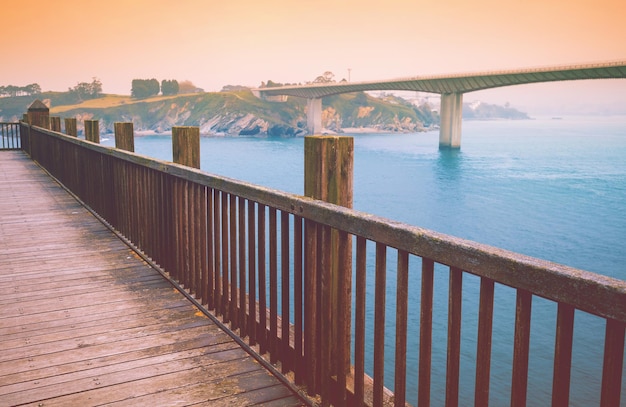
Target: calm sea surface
[553, 189]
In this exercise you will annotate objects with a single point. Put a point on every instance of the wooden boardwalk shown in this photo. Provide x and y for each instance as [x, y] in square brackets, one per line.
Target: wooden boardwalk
[85, 321]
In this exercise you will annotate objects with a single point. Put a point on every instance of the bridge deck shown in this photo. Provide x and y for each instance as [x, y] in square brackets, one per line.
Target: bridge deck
[85, 321]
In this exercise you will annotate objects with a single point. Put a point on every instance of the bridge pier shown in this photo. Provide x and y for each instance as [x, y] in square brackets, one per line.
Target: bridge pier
[451, 114]
[314, 116]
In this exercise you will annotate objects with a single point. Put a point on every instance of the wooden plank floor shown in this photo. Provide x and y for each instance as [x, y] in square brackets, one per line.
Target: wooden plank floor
[85, 322]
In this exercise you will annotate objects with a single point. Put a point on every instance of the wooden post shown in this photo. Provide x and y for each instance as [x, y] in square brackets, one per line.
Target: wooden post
[70, 127]
[328, 176]
[124, 136]
[92, 131]
[186, 146]
[39, 114]
[55, 123]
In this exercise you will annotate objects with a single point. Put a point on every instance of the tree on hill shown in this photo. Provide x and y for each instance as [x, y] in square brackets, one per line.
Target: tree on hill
[326, 77]
[271, 84]
[188, 87]
[169, 87]
[85, 90]
[144, 88]
[12, 91]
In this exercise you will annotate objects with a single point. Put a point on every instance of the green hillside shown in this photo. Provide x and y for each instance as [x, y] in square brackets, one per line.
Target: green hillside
[241, 113]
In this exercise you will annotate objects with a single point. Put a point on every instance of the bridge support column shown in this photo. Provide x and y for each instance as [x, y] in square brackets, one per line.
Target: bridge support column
[451, 114]
[314, 116]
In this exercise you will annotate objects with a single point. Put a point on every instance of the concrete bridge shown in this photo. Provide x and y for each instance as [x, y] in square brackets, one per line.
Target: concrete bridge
[450, 87]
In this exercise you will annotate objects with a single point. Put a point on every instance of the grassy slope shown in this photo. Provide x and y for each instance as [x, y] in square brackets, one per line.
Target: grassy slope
[195, 109]
[105, 102]
[384, 111]
[189, 109]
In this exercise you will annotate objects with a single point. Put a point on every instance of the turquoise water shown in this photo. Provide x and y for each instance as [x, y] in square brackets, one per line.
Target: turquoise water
[553, 189]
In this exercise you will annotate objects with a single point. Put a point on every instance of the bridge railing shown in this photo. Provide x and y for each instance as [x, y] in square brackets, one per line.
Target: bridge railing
[10, 136]
[257, 259]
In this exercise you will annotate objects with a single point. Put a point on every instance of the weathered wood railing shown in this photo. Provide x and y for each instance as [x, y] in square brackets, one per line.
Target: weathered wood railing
[248, 252]
[10, 136]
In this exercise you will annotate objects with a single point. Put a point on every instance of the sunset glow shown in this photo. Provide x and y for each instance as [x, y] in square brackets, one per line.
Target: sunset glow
[215, 43]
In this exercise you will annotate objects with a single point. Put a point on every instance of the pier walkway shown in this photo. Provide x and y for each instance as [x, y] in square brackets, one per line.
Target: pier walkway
[85, 321]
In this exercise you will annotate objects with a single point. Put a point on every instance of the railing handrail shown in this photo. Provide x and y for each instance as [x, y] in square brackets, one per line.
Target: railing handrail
[597, 294]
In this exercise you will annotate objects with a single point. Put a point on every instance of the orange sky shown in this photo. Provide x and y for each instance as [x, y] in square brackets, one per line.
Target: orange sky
[213, 43]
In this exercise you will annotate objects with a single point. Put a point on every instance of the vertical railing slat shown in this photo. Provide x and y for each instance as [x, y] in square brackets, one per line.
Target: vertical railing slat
[166, 209]
[118, 175]
[284, 286]
[252, 278]
[273, 338]
[130, 209]
[563, 355]
[124, 188]
[402, 298]
[200, 243]
[454, 337]
[359, 321]
[155, 203]
[426, 333]
[182, 217]
[483, 348]
[145, 206]
[325, 272]
[217, 251]
[310, 307]
[205, 244]
[262, 332]
[178, 213]
[613, 363]
[191, 239]
[521, 342]
[243, 329]
[343, 317]
[210, 254]
[140, 205]
[159, 217]
[150, 194]
[186, 243]
[149, 218]
[225, 252]
[233, 303]
[379, 323]
[171, 224]
[298, 363]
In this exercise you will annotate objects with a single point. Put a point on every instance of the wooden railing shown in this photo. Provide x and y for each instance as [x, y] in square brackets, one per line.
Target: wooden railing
[10, 136]
[257, 259]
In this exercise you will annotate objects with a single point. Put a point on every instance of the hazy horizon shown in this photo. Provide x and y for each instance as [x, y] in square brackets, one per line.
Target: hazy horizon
[242, 42]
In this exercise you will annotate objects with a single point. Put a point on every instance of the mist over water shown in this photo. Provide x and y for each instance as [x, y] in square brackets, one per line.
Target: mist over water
[552, 189]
